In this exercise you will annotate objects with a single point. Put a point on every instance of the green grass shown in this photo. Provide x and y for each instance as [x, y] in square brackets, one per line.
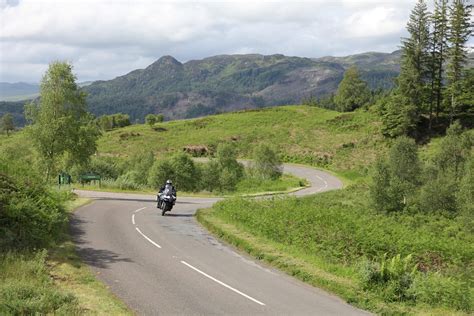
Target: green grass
[54, 281]
[324, 239]
[341, 142]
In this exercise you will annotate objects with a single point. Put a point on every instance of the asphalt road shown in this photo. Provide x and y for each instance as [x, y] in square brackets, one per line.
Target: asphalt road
[171, 266]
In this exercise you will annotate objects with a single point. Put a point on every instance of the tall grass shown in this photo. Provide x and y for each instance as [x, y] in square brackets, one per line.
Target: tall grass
[26, 287]
[401, 254]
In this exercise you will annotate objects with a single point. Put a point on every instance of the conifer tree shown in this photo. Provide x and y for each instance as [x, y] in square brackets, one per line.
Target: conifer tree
[460, 29]
[402, 111]
[438, 56]
[415, 59]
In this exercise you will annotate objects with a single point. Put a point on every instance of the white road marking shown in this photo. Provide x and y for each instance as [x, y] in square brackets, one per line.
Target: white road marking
[222, 283]
[140, 209]
[325, 184]
[133, 219]
[146, 237]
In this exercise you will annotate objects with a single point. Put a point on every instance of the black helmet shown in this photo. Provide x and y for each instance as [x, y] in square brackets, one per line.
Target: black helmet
[169, 182]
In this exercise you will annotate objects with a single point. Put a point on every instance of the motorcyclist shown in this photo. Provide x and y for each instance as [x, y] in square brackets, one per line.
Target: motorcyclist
[165, 188]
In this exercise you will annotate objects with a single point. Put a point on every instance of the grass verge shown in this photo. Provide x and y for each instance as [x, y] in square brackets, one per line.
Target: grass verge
[325, 240]
[72, 276]
[53, 281]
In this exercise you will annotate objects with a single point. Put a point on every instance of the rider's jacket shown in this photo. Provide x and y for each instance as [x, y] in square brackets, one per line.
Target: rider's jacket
[167, 187]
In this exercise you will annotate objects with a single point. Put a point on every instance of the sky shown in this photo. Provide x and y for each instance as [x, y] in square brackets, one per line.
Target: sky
[107, 38]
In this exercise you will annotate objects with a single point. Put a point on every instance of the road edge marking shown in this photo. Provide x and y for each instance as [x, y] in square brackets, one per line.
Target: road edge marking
[146, 237]
[222, 283]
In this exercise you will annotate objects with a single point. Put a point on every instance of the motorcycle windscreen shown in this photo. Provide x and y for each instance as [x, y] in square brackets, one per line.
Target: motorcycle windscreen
[167, 190]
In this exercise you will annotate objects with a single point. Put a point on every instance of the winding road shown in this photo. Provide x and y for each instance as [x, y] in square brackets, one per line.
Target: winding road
[171, 266]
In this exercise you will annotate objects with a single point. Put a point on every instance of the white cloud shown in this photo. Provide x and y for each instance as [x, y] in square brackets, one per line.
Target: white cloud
[106, 38]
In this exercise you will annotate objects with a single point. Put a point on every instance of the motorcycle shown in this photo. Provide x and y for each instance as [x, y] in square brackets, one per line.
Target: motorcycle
[166, 201]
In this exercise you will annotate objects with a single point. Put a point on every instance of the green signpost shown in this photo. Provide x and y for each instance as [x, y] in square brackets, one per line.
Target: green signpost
[87, 178]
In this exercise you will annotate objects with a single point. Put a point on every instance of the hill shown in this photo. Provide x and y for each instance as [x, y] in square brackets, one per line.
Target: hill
[345, 143]
[227, 83]
[18, 91]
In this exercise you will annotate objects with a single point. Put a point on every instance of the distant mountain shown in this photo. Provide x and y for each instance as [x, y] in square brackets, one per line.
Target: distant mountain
[232, 82]
[18, 91]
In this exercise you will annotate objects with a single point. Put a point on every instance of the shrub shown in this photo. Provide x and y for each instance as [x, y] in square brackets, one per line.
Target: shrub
[230, 170]
[393, 276]
[436, 290]
[395, 180]
[160, 172]
[179, 168]
[266, 164]
[125, 181]
[27, 289]
[140, 165]
[438, 195]
[186, 175]
[31, 216]
[106, 167]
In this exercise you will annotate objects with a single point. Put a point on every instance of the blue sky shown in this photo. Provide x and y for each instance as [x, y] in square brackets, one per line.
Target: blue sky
[107, 38]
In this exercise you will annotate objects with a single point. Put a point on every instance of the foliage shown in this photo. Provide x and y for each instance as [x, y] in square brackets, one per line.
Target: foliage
[7, 124]
[352, 92]
[230, 170]
[303, 134]
[415, 61]
[152, 119]
[395, 181]
[179, 168]
[109, 122]
[139, 165]
[453, 152]
[338, 230]
[26, 287]
[106, 167]
[398, 115]
[393, 276]
[61, 125]
[266, 163]
[460, 30]
[437, 290]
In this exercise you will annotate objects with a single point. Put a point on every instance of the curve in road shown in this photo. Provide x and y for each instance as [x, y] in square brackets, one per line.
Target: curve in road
[171, 265]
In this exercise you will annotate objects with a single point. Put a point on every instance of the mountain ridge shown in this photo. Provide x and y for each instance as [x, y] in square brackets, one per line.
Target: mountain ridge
[224, 83]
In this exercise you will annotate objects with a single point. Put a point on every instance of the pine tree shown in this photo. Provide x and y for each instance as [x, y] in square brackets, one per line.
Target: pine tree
[414, 72]
[460, 30]
[438, 55]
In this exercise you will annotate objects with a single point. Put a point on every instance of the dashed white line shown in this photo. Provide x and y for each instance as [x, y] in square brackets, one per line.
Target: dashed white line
[325, 184]
[133, 219]
[222, 283]
[146, 237]
[140, 209]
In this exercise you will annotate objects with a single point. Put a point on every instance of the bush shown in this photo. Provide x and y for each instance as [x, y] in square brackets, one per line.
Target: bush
[139, 166]
[438, 195]
[266, 164]
[186, 175]
[395, 180]
[125, 181]
[393, 276]
[179, 168]
[27, 289]
[106, 167]
[435, 290]
[31, 216]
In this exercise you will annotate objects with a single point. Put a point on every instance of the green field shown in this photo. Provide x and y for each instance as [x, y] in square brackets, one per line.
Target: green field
[345, 143]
